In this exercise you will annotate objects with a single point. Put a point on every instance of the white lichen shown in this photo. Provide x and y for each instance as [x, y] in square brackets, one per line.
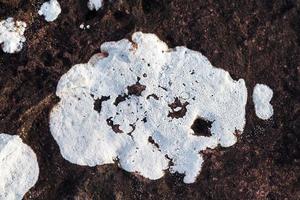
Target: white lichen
[19, 169]
[12, 35]
[262, 95]
[136, 103]
[50, 10]
[95, 4]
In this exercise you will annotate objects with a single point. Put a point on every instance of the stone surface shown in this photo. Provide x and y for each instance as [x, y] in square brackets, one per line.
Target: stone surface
[256, 41]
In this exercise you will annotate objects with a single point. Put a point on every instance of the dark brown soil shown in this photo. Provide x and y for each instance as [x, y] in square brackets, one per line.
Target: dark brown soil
[258, 41]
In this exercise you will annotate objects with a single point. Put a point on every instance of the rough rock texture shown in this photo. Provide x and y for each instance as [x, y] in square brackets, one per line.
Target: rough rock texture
[254, 40]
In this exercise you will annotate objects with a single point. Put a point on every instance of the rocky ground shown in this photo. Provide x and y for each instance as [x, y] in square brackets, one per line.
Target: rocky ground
[258, 41]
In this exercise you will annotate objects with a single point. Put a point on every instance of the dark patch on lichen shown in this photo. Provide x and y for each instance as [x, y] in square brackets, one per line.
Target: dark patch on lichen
[136, 89]
[179, 113]
[120, 99]
[144, 119]
[201, 127]
[114, 127]
[133, 126]
[153, 96]
[152, 141]
[165, 89]
[98, 103]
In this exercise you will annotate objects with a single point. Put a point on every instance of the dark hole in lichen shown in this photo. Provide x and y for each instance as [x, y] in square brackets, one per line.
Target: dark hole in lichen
[201, 127]
[136, 89]
[165, 89]
[151, 140]
[177, 113]
[114, 127]
[144, 119]
[133, 126]
[120, 99]
[171, 163]
[98, 103]
[153, 95]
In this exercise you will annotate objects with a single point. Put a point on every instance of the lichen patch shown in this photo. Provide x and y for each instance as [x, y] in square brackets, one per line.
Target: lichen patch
[50, 10]
[147, 121]
[19, 168]
[262, 95]
[12, 35]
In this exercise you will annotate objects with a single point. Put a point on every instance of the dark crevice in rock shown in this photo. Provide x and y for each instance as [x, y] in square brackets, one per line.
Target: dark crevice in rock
[91, 14]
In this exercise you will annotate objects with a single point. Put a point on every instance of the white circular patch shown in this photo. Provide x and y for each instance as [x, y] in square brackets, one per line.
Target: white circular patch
[137, 105]
[19, 168]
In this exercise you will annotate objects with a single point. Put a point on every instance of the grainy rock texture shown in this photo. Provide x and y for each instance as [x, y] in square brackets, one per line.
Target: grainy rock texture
[258, 41]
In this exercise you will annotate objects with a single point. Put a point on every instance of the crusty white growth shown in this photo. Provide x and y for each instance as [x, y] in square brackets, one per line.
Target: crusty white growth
[146, 135]
[12, 35]
[262, 95]
[95, 4]
[50, 10]
[19, 168]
